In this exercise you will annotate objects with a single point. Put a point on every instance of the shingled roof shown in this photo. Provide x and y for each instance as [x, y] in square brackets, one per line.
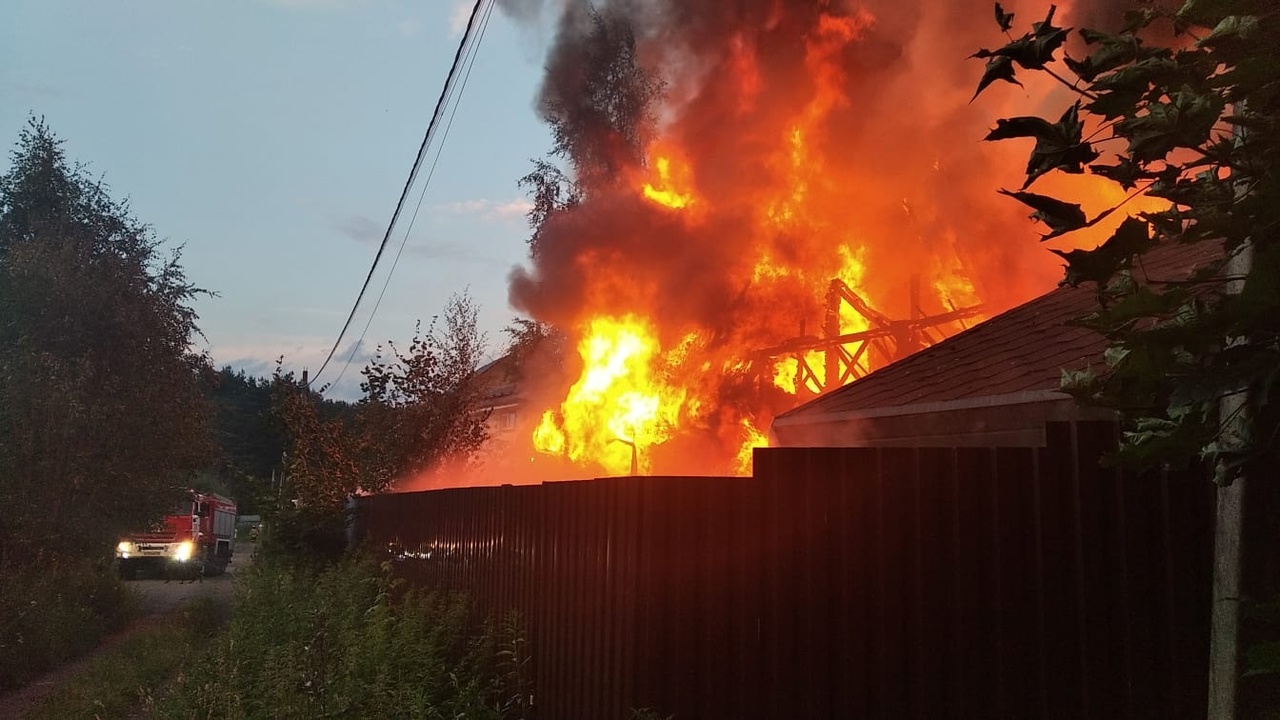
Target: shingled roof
[1021, 351]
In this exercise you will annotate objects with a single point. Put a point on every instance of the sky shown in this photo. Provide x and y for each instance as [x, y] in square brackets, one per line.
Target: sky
[270, 139]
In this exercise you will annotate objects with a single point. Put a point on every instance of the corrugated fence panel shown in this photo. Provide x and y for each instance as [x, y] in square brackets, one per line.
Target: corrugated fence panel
[937, 645]
[1104, 635]
[976, 557]
[840, 583]
[1060, 558]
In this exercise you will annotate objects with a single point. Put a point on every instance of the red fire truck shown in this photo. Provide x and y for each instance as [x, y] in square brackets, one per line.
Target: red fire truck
[199, 536]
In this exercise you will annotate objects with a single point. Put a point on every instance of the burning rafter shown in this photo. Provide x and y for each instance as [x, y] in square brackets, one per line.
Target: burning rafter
[844, 353]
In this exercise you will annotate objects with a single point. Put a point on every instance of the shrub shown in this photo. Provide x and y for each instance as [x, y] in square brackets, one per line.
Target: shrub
[50, 613]
[347, 641]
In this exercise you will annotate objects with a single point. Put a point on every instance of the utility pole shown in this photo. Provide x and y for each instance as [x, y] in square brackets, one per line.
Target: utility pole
[1228, 529]
[635, 455]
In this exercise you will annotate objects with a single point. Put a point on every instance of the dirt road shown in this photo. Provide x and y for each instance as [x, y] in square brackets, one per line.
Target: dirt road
[159, 597]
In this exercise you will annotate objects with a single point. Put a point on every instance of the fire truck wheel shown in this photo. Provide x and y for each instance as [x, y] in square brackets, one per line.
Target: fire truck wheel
[211, 565]
[128, 570]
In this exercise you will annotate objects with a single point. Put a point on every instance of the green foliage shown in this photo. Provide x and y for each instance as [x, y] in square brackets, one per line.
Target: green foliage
[1194, 124]
[307, 516]
[102, 418]
[1263, 658]
[52, 613]
[248, 435]
[1263, 618]
[421, 411]
[421, 407]
[1059, 146]
[1061, 217]
[250, 439]
[350, 642]
[101, 415]
[1032, 51]
[134, 672]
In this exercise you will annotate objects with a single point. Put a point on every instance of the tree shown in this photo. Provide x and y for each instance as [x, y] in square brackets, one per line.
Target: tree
[103, 418]
[597, 97]
[597, 100]
[1192, 364]
[321, 473]
[250, 439]
[539, 349]
[421, 407]
[419, 412]
[1194, 124]
[551, 192]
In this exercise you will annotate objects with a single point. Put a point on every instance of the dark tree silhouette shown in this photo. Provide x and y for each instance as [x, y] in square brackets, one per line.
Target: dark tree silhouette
[101, 412]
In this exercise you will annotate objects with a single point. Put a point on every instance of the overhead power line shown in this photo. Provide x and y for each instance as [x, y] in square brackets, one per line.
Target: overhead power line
[445, 92]
[468, 62]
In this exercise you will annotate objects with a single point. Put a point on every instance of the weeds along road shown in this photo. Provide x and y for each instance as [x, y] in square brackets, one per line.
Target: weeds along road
[156, 599]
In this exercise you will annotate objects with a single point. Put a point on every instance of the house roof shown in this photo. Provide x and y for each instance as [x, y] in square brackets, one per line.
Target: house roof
[498, 378]
[1019, 353]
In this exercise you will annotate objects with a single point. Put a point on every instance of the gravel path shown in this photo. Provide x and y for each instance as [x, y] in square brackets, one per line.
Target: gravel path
[158, 598]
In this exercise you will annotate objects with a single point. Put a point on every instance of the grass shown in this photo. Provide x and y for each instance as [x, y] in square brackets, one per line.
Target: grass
[349, 641]
[346, 641]
[131, 674]
[55, 611]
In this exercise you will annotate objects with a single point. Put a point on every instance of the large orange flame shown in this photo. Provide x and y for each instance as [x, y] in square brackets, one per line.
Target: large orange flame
[620, 404]
[803, 182]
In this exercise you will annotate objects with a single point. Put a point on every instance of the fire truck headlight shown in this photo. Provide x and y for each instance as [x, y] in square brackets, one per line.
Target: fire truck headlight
[183, 551]
[124, 549]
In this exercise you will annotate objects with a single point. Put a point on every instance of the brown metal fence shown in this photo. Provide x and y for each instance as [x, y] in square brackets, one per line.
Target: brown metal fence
[841, 583]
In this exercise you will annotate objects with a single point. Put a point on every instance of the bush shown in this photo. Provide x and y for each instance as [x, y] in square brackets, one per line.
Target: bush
[349, 642]
[51, 613]
[303, 537]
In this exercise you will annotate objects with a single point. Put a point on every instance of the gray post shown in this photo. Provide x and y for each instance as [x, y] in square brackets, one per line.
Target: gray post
[1224, 630]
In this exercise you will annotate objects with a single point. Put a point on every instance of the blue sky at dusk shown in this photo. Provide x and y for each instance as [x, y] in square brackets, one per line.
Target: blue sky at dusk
[272, 138]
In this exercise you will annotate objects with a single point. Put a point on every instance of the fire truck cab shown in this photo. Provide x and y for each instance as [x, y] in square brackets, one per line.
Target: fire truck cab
[199, 536]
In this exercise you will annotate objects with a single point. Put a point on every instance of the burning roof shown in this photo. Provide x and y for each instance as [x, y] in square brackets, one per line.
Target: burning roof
[1015, 358]
[717, 165]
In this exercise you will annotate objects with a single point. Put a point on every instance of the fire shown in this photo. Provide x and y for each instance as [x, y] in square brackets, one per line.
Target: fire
[766, 268]
[812, 170]
[662, 193]
[619, 406]
[633, 396]
[784, 375]
[752, 439]
[547, 436]
[852, 271]
[783, 210]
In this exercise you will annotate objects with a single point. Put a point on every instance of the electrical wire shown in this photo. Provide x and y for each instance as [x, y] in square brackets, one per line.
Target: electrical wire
[445, 92]
[468, 63]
